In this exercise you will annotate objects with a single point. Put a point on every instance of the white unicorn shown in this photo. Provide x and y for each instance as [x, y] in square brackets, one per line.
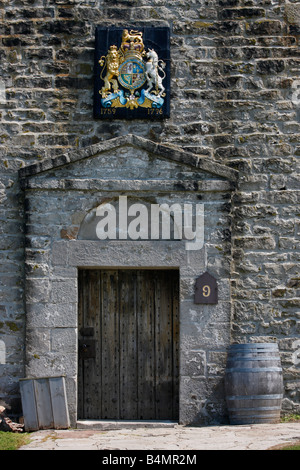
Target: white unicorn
[153, 78]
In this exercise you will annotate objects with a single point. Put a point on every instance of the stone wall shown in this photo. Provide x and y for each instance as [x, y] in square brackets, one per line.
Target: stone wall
[235, 81]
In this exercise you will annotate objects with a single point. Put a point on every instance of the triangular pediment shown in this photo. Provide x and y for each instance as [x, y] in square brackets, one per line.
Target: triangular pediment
[160, 151]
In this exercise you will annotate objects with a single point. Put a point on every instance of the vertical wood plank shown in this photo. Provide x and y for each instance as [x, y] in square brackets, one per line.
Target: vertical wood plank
[110, 345]
[29, 405]
[59, 402]
[166, 344]
[80, 379]
[89, 399]
[128, 345]
[162, 333]
[146, 353]
[43, 403]
[175, 334]
[89, 311]
[92, 369]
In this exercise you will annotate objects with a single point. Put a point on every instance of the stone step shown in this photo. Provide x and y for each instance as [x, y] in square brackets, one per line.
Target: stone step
[123, 424]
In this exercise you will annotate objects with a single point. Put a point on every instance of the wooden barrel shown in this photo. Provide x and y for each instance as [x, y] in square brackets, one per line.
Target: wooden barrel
[253, 383]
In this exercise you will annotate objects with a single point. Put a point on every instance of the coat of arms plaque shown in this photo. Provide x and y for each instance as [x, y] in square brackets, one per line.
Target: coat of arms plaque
[132, 73]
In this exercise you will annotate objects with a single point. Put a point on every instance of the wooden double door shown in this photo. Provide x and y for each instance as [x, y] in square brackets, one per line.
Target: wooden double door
[128, 344]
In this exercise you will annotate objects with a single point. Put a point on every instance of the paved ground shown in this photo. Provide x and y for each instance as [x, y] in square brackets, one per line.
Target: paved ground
[174, 438]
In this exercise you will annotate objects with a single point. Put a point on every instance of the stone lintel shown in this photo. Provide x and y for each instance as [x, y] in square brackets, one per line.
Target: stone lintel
[107, 184]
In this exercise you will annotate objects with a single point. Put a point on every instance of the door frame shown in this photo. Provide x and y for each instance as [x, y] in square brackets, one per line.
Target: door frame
[202, 328]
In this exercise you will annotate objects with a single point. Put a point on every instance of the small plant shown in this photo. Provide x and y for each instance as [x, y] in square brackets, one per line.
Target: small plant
[292, 447]
[290, 418]
[12, 441]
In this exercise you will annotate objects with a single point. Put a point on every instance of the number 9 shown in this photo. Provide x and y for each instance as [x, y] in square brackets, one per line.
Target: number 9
[206, 291]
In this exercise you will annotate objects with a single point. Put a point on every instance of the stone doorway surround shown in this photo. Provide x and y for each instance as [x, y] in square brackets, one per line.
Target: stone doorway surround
[60, 193]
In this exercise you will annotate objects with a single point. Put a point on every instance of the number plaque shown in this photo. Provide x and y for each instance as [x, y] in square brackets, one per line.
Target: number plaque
[206, 289]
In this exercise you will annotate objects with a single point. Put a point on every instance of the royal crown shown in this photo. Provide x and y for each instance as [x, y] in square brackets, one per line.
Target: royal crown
[132, 43]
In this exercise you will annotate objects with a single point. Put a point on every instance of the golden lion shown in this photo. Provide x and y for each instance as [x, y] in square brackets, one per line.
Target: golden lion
[112, 63]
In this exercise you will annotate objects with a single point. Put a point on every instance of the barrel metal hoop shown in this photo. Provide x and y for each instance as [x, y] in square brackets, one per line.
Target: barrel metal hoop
[260, 418]
[260, 408]
[254, 346]
[253, 358]
[254, 369]
[255, 397]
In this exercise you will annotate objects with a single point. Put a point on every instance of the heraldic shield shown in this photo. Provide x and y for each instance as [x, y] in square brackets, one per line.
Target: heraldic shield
[132, 73]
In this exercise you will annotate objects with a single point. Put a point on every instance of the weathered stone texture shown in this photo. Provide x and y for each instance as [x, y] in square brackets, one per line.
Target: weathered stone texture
[235, 100]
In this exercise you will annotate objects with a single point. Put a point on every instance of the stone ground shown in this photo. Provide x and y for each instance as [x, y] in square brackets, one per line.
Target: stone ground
[168, 438]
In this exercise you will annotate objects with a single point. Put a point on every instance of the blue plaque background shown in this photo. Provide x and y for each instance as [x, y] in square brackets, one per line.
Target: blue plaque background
[157, 38]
